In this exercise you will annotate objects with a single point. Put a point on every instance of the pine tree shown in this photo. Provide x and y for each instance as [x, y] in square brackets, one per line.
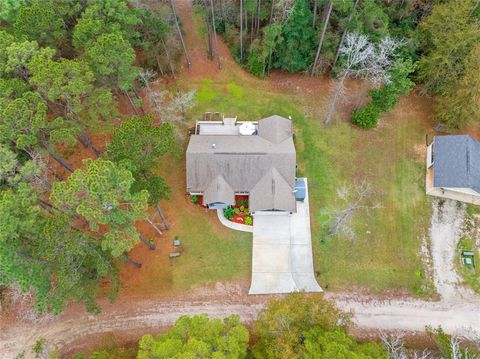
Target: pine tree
[24, 123]
[447, 36]
[297, 50]
[99, 196]
[460, 105]
[39, 21]
[138, 144]
[111, 58]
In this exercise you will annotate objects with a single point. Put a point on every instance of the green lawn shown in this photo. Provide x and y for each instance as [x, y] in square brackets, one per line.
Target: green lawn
[468, 242]
[212, 253]
[384, 254]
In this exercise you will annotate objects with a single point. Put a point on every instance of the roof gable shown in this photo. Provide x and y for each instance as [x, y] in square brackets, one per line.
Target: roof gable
[219, 191]
[275, 128]
[272, 192]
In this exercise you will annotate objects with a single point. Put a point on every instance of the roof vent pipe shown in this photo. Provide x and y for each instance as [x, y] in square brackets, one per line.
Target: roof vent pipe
[214, 145]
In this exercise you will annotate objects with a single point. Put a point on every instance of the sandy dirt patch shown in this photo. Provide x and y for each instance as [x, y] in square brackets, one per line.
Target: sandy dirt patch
[445, 231]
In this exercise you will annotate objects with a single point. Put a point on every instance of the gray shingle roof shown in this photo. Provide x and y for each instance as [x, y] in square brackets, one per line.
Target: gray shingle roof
[219, 191]
[275, 128]
[456, 161]
[242, 162]
[272, 192]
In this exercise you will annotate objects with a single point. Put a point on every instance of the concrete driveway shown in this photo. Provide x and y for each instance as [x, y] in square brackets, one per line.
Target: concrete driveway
[282, 252]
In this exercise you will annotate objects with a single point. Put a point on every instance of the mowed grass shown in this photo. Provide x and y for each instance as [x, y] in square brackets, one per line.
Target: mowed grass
[385, 253]
[210, 252]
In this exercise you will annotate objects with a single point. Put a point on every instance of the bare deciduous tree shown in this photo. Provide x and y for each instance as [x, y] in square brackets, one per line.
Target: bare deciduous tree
[394, 345]
[362, 59]
[344, 33]
[172, 107]
[281, 10]
[356, 198]
[146, 77]
[23, 302]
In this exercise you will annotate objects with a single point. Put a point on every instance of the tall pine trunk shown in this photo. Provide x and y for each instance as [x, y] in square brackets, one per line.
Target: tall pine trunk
[57, 158]
[131, 261]
[90, 144]
[217, 54]
[241, 31]
[147, 242]
[154, 226]
[252, 27]
[139, 98]
[179, 31]
[224, 14]
[131, 102]
[258, 15]
[209, 38]
[314, 22]
[322, 36]
[166, 225]
[272, 6]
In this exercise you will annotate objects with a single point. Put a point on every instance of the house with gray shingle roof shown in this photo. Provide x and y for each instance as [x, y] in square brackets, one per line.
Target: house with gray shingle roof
[453, 168]
[255, 159]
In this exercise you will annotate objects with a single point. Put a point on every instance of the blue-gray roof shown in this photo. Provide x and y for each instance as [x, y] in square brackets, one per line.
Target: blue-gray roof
[456, 162]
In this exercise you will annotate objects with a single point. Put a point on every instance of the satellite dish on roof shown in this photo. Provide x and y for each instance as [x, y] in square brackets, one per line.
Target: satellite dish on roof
[247, 129]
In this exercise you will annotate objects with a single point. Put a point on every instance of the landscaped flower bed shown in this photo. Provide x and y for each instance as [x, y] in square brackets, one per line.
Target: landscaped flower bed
[239, 213]
[197, 200]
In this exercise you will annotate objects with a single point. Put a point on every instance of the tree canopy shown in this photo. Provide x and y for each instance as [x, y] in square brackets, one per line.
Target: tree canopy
[296, 52]
[447, 36]
[63, 66]
[198, 336]
[99, 195]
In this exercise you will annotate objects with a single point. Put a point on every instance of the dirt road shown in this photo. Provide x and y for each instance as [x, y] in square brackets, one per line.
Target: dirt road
[74, 330]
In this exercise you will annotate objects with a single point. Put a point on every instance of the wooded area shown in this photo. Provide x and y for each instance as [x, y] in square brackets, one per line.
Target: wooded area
[436, 47]
[65, 66]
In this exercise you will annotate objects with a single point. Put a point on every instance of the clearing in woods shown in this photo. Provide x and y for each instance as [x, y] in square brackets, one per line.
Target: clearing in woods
[383, 255]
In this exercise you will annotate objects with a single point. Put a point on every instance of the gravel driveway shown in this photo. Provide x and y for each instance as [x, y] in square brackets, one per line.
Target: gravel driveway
[445, 231]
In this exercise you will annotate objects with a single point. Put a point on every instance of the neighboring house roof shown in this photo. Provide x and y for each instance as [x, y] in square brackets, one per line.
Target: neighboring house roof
[244, 161]
[456, 161]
